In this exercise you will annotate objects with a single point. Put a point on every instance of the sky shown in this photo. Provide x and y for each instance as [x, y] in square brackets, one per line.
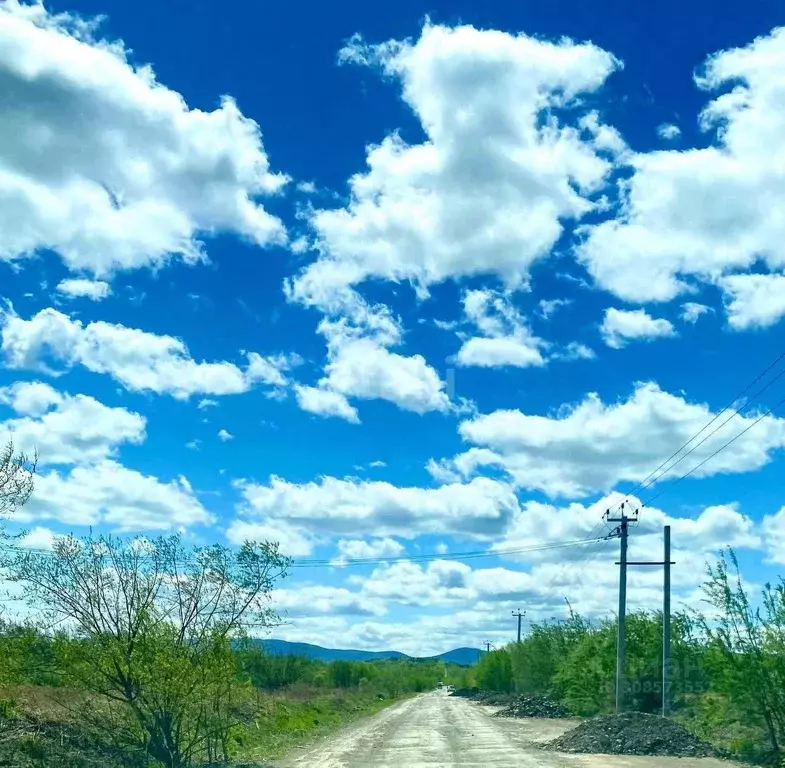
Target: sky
[396, 283]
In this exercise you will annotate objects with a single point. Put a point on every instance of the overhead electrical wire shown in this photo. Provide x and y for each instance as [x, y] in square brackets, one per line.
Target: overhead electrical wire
[336, 563]
[712, 455]
[653, 477]
[644, 484]
[470, 555]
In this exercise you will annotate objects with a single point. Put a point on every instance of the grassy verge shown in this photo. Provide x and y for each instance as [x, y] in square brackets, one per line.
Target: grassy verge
[39, 727]
[299, 717]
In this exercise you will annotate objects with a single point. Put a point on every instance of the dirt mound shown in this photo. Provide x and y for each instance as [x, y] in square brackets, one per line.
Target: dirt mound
[494, 698]
[466, 693]
[632, 733]
[533, 706]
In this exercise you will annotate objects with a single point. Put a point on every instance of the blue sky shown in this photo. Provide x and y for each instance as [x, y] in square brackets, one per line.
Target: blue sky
[390, 281]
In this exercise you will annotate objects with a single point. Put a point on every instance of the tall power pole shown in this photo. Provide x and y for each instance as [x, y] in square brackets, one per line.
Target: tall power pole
[666, 562]
[520, 615]
[666, 621]
[487, 645]
[623, 531]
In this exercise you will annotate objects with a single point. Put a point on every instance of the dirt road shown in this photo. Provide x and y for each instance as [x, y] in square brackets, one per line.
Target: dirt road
[439, 730]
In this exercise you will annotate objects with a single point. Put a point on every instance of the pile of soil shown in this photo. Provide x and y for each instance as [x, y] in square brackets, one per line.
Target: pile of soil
[533, 706]
[632, 733]
[466, 693]
[494, 698]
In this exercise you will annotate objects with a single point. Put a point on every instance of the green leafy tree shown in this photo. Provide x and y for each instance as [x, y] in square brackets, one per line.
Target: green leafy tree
[494, 671]
[153, 624]
[747, 647]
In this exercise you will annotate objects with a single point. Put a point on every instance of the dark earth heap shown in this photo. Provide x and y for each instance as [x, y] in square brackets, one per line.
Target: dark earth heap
[465, 693]
[533, 706]
[494, 698]
[632, 733]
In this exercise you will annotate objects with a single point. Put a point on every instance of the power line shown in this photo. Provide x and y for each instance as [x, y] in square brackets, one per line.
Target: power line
[729, 405]
[325, 563]
[721, 448]
[715, 430]
[436, 556]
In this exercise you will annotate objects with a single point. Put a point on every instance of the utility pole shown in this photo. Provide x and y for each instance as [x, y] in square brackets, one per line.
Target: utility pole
[666, 562]
[666, 621]
[623, 531]
[520, 615]
[487, 645]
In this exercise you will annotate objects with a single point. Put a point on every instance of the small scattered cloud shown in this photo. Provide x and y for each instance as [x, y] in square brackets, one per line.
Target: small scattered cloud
[668, 131]
[620, 327]
[95, 290]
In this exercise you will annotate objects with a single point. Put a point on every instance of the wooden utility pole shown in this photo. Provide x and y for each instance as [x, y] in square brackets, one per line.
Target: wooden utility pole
[623, 532]
[666, 621]
[520, 615]
[666, 562]
[487, 645]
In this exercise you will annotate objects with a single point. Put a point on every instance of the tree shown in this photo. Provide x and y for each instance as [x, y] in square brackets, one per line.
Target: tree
[747, 647]
[17, 472]
[494, 671]
[154, 623]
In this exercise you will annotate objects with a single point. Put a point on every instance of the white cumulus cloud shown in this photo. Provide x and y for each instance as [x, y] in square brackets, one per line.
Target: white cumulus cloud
[592, 446]
[107, 493]
[66, 429]
[324, 402]
[506, 340]
[700, 213]
[487, 190]
[334, 506]
[753, 301]
[621, 326]
[74, 288]
[140, 361]
[156, 175]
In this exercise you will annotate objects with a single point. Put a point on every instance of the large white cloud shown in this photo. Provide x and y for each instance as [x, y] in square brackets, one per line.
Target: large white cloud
[488, 188]
[140, 361]
[592, 445]
[66, 429]
[702, 213]
[333, 506]
[111, 495]
[108, 167]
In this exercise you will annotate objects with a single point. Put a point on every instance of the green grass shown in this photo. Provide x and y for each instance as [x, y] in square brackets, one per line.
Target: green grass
[39, 729]
[296, 718]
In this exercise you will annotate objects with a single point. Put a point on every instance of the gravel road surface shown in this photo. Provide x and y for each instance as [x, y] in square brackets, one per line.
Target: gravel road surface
[445, 731]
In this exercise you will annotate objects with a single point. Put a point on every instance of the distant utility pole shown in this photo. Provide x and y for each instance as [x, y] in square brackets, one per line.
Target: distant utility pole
[520, 615]
[623, 532]
[487, 645]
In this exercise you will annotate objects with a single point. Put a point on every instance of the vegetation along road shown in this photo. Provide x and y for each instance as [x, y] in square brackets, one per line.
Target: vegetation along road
[439, 730]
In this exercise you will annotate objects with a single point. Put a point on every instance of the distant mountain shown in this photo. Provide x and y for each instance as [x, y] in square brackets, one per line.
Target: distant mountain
[462, 656]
